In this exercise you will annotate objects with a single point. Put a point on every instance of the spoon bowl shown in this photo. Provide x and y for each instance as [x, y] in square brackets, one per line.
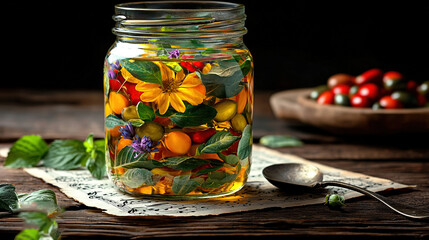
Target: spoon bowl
[297, 176]
[293, 175]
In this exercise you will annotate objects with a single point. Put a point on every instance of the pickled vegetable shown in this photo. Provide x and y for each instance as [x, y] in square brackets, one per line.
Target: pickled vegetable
[179, 123]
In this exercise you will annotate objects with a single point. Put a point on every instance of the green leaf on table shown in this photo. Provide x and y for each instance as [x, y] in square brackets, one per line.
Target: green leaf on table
[43, 200]
[183, 184]
[145, 112]
[95, 159]
[8, 197]
[245, 144]
[223, 80]
[28, 234]
[47, 227]
[217, 179]
[220, 141]
[278, 141]
[65, 154]
[112, 121]
[194, 115]
[146, 71]
[26, 152]
[128, 158]
[96, 164]
[137, 177]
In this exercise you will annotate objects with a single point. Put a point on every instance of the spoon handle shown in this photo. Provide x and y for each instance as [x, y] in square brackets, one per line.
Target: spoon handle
[397, 207]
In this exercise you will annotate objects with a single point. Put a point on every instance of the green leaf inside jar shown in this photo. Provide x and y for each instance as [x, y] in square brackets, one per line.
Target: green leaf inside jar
[137, 177]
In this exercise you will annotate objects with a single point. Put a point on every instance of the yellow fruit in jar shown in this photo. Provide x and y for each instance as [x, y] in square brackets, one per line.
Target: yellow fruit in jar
[118, 102]
[225, 110]
[178, 142]
[123, 143]
[238, 122]
[107, 110]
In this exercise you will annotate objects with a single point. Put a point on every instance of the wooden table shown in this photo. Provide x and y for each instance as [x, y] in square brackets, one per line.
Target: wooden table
[59, 114]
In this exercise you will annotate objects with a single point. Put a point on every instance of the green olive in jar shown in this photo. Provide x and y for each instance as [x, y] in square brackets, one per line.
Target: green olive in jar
[152, 130]
[238, 122]
[226, 110]
[129, 113]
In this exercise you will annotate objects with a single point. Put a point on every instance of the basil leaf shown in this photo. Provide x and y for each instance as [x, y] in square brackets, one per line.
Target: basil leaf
[215, 165]
[182, 184]
[218, 142]
[65, 154]
[43, 200]
[28, 234]
[96, 164]
[278, 141]
[245, 144]
[184, 163]
[223, 80]
[8, 198]
[217, 179]
[137, 177]
[231, 159]
[26, 152]
[145, 112]
[48, 228]
[146, 71]
[194, 116]
[112, 121]
[245, 67]
[128, 158]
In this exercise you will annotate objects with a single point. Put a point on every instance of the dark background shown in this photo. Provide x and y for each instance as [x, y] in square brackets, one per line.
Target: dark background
[294, 43]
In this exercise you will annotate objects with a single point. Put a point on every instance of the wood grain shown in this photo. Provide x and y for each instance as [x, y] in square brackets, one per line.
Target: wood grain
[404, 159]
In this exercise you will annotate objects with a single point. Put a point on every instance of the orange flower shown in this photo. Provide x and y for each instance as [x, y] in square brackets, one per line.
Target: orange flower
[176, 87]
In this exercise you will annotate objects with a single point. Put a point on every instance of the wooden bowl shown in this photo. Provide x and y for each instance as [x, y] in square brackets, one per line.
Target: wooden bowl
[296, 104]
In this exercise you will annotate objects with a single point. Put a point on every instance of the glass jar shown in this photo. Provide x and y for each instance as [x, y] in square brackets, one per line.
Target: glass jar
[178, 84]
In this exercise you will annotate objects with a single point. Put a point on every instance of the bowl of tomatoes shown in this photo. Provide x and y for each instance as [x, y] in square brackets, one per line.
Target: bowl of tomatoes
[374, 102]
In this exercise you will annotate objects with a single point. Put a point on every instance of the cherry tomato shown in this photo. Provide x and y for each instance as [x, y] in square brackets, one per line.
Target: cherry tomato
[369, 90]
[341, 89]
[412, 86]
[359, 101]
[374, 75]
[392, 75]
[389, 103]
[340, 78]
[326, 97]
[421, 100]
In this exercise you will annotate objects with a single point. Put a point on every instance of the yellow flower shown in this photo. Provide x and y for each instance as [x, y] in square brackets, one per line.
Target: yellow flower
[176, 87]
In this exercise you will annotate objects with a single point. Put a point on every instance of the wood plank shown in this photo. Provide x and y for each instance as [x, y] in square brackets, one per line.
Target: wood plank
[361, 217]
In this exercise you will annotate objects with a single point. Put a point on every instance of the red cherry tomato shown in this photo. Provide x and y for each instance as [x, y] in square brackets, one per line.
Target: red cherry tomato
[369, 90]
[341, 89]
[421, 100]
[412, 86]
[374, 75]
[359, 101]
[389, 103]
[392, 75]
[327, 97]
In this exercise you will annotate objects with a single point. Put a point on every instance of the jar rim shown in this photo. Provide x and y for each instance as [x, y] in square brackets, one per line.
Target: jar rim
[209, 6]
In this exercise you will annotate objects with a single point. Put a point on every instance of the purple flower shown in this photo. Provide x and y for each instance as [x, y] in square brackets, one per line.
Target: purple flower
[143, 145]
[127, 131]
[111, 74]
[174, 54]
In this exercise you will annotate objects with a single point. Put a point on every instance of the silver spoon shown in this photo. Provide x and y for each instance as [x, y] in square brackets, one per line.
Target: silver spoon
[292, 176]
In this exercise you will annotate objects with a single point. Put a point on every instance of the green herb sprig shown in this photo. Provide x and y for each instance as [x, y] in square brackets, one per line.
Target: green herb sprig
[38, 208]
[32, 150]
